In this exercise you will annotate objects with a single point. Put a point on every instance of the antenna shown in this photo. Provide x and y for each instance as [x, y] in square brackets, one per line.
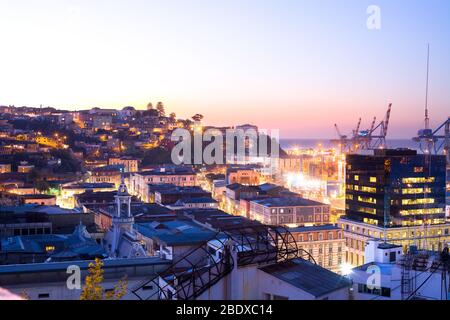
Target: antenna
[427, 119]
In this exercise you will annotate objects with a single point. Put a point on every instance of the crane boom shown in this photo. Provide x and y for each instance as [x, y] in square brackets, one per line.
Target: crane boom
[386, 121]
[355, 133]
[372, 126]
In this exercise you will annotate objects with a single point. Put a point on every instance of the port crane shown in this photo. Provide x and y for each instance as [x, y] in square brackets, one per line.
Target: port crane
[369, 139]
[433, 141]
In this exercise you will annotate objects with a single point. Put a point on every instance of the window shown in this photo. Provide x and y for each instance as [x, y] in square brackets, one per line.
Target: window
[356, 177]
[416, 190]
[367, 199]
[373, 179]
[49, 248]
[43, 295]
[367, 210]
[368, 189]
[417, 201]
[384, 292]
[418, 180]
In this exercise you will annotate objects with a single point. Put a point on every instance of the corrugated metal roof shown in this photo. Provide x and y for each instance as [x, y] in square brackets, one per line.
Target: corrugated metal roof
[307, 276]
[175, 232]
[83, 264]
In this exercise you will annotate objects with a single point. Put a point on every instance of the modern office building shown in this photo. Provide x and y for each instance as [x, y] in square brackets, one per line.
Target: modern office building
[396, 196]
[396, 188]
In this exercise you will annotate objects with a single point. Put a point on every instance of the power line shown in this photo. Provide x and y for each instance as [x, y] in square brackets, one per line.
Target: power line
[428, 278]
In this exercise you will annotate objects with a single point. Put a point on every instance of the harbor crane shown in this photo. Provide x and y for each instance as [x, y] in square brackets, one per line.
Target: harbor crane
[437, 140]
[369, 139]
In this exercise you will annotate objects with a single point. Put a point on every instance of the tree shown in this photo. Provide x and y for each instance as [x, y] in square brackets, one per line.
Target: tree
[173, 116]
[149, 106]
[42, 186]
[160, 108]
[93, 289]
[197, 117]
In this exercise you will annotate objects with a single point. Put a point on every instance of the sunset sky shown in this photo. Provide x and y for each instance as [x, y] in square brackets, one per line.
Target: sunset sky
[298, 66]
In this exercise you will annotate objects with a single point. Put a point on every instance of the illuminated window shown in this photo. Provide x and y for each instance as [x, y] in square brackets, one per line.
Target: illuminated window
[367, 200]
[49, 248]
[373, 179]
[417, 201]
[416, 190]
[367, 210]
[418, 180]
[368, 189]
[372, 222]
[421, 211]
[356, 177]
[418, 169]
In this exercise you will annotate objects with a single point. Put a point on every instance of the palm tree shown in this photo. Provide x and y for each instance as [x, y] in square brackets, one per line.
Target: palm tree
[160, 108]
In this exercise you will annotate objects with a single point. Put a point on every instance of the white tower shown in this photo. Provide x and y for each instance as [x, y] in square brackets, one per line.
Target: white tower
[123, 201]
[122, 221]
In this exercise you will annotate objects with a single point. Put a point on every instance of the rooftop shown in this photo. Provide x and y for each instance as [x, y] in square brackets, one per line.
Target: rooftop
[197, 200]
[76, 245]
[237, 186]
[38, 196]
[385, 268]
[287, 202]
[388, 246]
[111, 167]
[328, 227]
[62, 266]
[102, 185]
[168, 172]
[35, 208]
[177, 232]
[307, 276]
[218, 219]
[177, 190]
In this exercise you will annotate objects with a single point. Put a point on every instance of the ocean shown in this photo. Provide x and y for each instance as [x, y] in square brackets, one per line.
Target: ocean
[326, 143]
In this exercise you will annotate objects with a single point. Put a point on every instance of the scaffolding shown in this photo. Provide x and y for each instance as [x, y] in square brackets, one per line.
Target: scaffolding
[199, 269]
[416, 263]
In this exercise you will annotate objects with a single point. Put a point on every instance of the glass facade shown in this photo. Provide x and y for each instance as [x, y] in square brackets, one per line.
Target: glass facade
[396, 188]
